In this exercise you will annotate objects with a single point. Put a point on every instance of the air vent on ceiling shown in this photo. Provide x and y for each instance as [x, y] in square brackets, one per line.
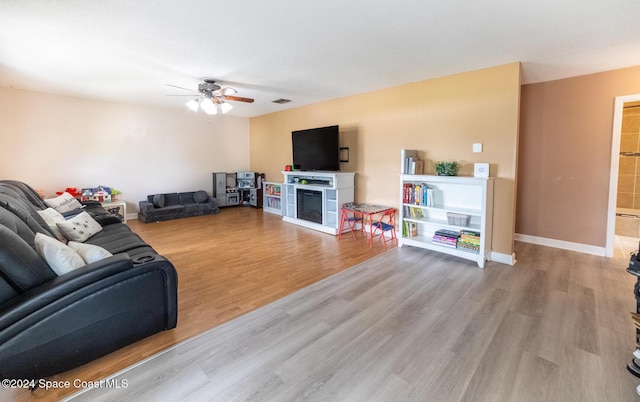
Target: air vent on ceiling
[281, 101]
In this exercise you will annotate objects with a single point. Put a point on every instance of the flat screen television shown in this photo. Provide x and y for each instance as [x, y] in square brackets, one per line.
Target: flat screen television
[316, 149]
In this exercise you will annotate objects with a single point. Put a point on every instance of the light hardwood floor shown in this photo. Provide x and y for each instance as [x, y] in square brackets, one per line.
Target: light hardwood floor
[406, 325]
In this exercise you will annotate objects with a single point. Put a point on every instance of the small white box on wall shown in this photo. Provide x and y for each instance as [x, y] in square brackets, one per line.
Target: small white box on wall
[480, 170]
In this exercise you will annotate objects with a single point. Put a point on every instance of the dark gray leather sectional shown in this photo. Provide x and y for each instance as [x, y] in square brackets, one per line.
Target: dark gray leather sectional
[49, 323]
[163, 207]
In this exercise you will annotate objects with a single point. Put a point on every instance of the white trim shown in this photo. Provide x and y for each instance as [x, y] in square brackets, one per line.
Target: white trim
[565, 245]
[503, 258]
[132, 216]
[613, 174]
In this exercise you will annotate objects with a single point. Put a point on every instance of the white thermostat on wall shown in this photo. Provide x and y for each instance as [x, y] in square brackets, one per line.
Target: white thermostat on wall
[480, 170]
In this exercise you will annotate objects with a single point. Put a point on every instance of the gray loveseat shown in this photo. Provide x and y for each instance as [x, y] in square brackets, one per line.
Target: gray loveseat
[163, 207]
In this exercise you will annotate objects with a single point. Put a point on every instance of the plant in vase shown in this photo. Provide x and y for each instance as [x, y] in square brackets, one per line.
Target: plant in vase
[446, 168]
[115, 194]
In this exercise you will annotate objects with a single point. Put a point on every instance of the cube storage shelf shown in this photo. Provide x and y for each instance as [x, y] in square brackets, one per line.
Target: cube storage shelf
[469, 196]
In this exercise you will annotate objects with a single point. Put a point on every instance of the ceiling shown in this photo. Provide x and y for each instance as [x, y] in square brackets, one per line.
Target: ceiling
[305, 51]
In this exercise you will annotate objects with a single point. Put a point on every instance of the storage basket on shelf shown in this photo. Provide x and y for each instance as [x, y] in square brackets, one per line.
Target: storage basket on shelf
[458, 219]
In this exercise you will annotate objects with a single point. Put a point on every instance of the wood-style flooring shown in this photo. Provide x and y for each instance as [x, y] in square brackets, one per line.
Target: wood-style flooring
[405, 325]
[228, 264]
[413, 325]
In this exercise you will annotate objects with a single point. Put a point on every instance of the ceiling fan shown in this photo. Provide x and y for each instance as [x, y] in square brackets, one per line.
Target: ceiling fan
[212, 97]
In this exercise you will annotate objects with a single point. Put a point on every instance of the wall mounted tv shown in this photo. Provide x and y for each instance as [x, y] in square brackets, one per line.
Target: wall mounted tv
[316, 149]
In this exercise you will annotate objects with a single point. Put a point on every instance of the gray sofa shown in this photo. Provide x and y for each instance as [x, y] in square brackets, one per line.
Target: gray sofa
[163, 207]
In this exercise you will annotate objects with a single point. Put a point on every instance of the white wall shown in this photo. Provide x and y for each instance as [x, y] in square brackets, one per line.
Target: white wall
[53, 142]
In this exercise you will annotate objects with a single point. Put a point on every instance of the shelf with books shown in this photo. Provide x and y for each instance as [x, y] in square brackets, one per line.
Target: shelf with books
[460, 205]
[466, 211]
[272, 198]
[437, 217]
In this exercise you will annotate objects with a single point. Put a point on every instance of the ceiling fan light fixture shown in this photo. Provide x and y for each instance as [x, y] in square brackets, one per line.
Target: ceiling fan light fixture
[211, 96]
[193, 105]
[225, 107]
[208, 106]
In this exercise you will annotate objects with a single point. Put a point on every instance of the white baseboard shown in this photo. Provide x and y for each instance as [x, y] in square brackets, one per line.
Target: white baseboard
[132, 216]
[503, 258]
[565, 245]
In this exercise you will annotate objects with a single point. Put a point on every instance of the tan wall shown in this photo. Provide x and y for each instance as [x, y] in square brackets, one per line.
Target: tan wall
[53, 142]
[565, 155]
[440, 117]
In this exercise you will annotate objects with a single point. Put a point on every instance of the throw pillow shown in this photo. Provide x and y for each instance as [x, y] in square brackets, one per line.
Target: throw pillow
[60, 257]
[158, 200]
[89, 252]
[52, 217]
[200, 196]
[63, 203]
[80, 227]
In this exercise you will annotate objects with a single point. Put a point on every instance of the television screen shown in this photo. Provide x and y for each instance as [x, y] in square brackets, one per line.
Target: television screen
[316, 149]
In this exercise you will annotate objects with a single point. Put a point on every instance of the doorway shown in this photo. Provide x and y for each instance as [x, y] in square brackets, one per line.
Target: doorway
[623, 221]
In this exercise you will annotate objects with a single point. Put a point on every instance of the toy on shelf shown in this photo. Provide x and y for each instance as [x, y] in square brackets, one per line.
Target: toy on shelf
[100, 194]
[71, 190]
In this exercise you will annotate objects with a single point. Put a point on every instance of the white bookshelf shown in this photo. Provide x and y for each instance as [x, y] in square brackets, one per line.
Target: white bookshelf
[272, 198]
[469, 196]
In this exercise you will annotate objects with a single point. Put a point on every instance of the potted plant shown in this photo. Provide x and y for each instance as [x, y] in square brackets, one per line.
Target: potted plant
[446, 168]
[115, 194]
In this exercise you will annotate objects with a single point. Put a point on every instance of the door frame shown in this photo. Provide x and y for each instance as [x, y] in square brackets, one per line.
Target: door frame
[615, 160]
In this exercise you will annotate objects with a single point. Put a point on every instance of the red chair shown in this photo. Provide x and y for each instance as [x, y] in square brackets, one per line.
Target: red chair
[385, 225]
[351, 221]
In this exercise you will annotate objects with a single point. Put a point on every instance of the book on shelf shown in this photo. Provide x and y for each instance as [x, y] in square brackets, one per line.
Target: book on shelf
[470, 238]
[418, 194]
[416, 166]
[444, 244]
[411, 163]
[446, 237]
[468, 247]
[407, 193]
[448, 233]
[409, 229]
[416, 213]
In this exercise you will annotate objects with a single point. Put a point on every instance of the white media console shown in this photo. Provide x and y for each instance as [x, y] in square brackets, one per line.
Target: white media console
[314, 199]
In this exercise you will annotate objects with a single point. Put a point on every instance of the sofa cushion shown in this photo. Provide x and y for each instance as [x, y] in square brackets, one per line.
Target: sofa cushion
[201, 196]
[60, 257]
[117, 238]
[80, 227]
[25, 192]
[20, 265]
[171, 199]
[186, 198]
[16, 225]
[52, 217]
[63, 203]
[89, 252]
[158, 200]
[198, 209]
[6, 291]
[173, 210]
[25, 211]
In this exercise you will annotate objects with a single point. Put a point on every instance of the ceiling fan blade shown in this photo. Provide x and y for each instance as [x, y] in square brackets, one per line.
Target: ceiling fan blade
[238, 98]
[175, 86]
